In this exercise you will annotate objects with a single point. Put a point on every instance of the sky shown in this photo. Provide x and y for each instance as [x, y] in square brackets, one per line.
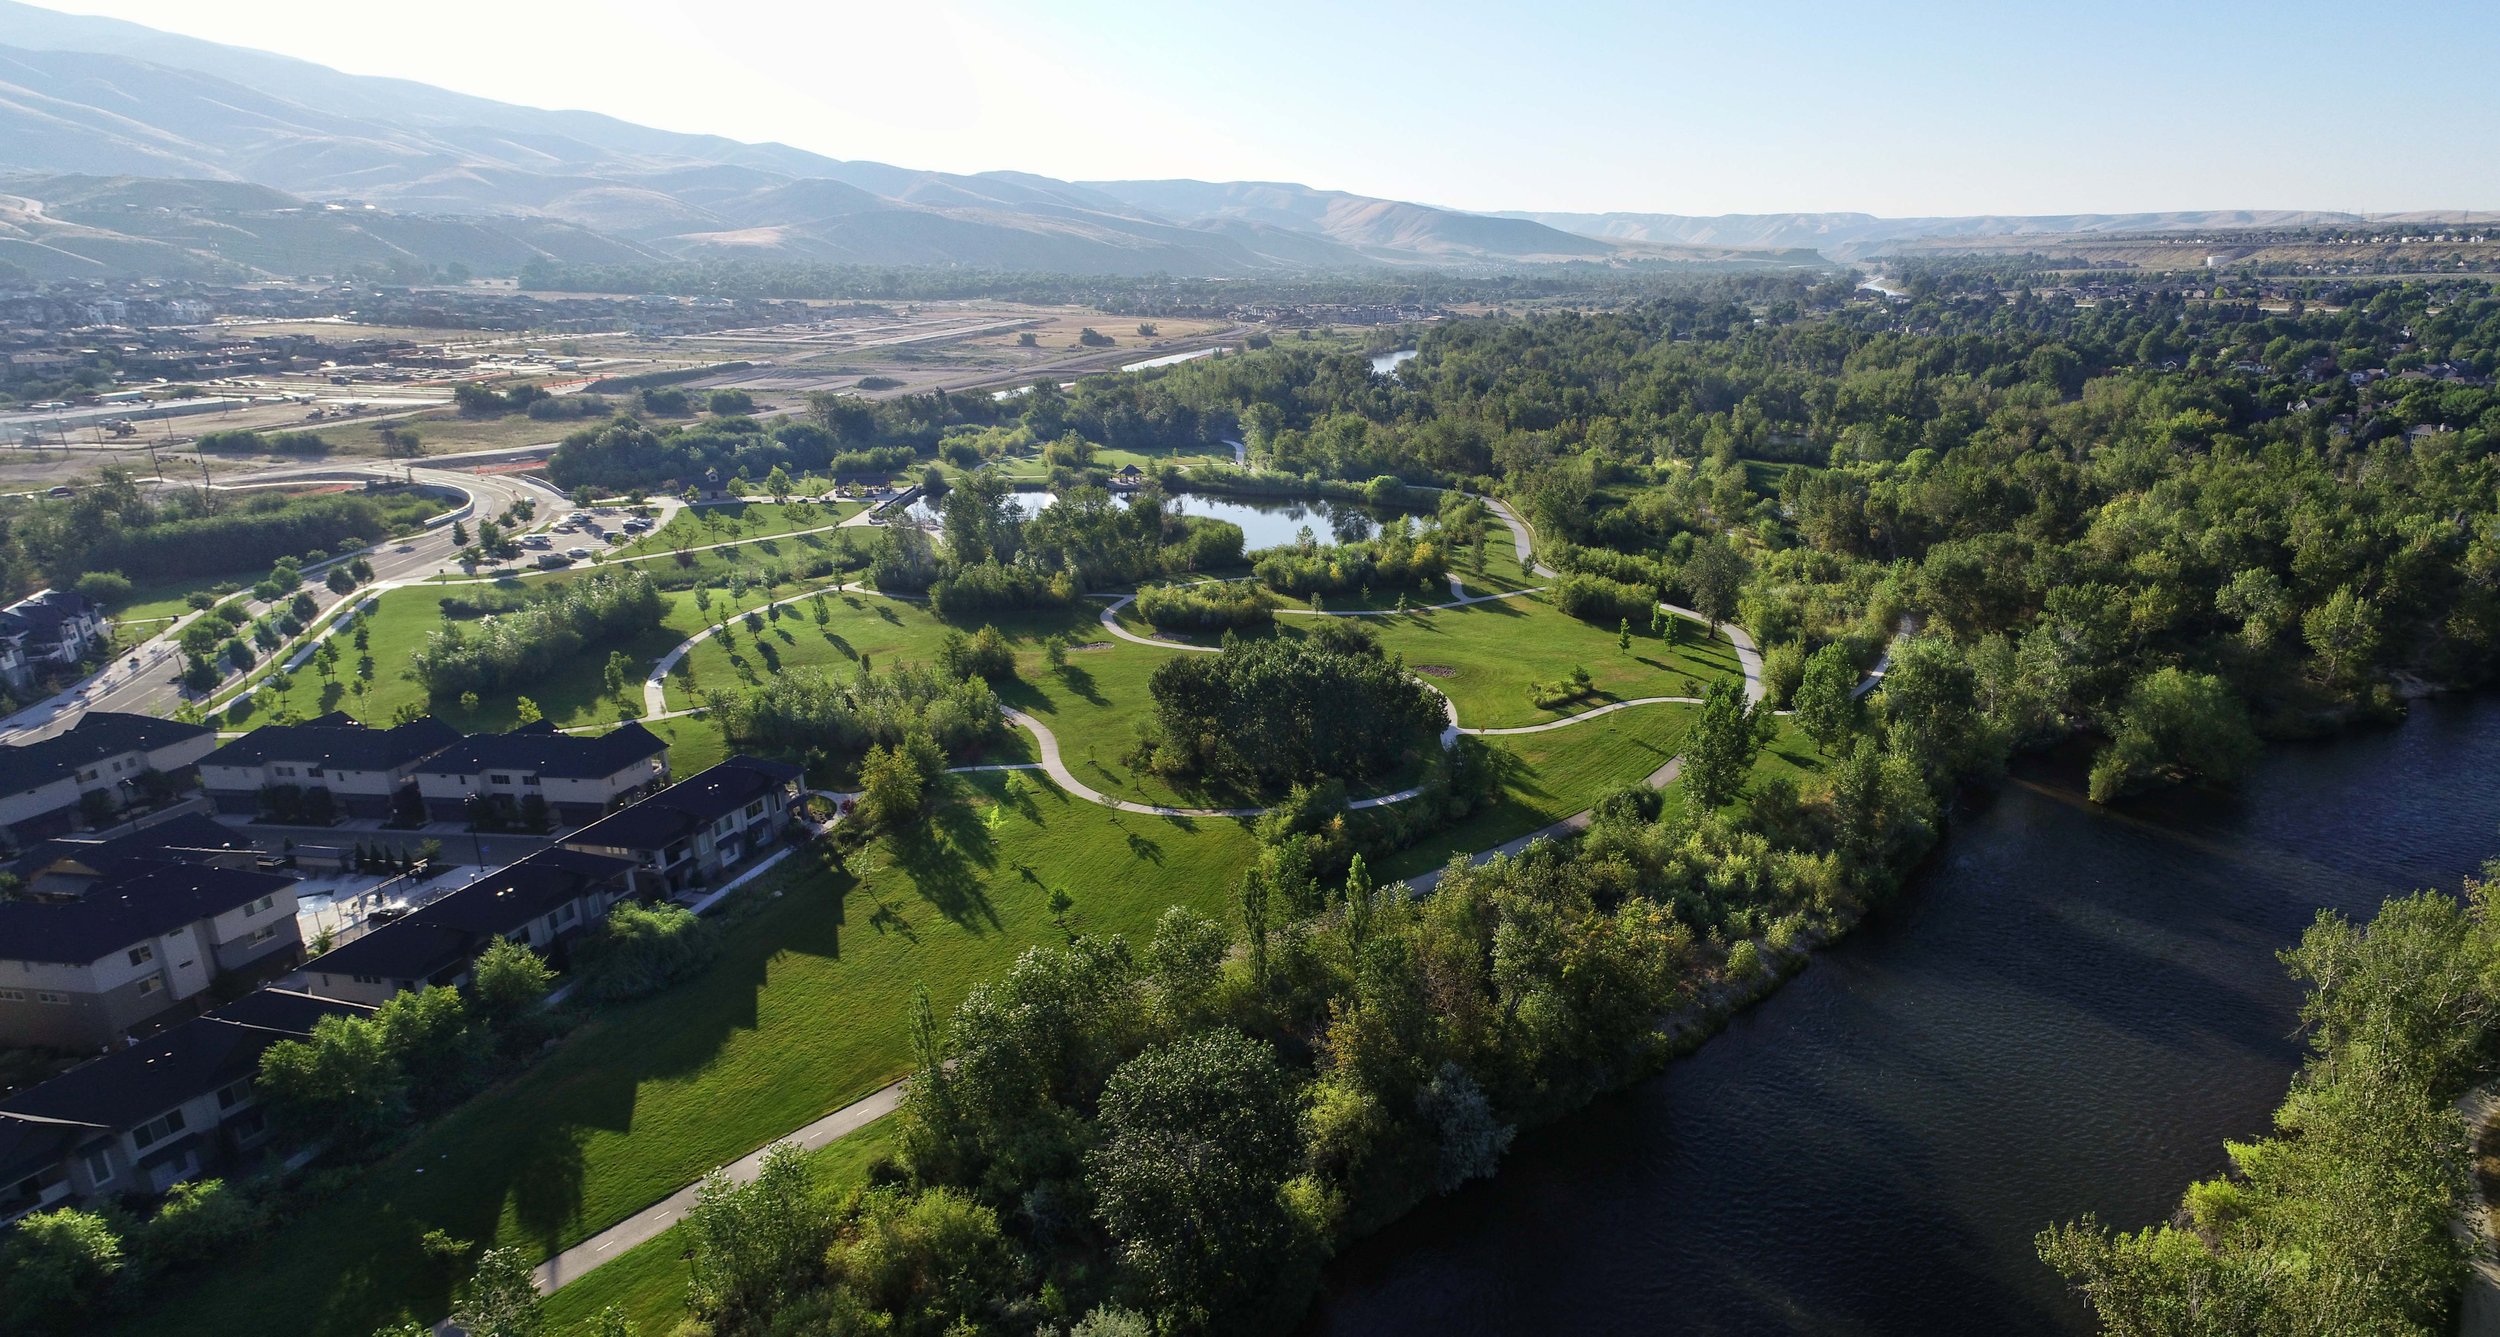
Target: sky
[1745, 106]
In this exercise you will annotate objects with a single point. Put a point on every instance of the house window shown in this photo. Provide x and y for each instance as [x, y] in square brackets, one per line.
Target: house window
[100, 1167]
[234, 1093]
[259, 905]
[568, 914]
[12, 995]
[530, 780]
[156, 1130]
[150, 985]
[368, 979]
[47, 996]
[260, 935]
[499, 779]
[755, 810]
[142, 954]
[88, 774]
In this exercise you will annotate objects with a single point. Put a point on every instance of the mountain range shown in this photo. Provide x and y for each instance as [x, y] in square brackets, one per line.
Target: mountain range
[125, 150]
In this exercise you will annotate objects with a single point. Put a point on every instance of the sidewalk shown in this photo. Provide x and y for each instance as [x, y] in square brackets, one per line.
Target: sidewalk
[646, 1225]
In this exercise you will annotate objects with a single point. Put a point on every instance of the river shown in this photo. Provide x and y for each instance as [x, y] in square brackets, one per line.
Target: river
[2067, 1012]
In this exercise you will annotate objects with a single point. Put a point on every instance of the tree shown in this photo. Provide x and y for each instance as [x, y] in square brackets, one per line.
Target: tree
[501, 1299]
[1719, 751]
[459, 534]
[1623, 636]
[777, 484]
[525, 711]
[1714, 575]
[62, 1270]
[753, 1245]
[342, 1082]
[2343, 634]
[1198, 1140]
[508, 982]
[2175, 721]
[434, 1039]
[891, 788]
[106, 588]
[1827, 709]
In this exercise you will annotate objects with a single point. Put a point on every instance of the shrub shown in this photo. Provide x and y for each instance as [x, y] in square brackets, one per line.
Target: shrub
[984, 654]
[1205, 606]
[642, 948]
[104, 587]
[1602, 600]
[609, 606]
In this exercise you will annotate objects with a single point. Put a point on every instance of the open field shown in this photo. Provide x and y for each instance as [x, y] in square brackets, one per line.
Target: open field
[806, 1010]
[734, 522]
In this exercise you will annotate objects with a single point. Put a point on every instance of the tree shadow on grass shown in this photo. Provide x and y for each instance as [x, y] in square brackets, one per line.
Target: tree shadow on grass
[944, 859]
[1082, 683]
[841, 646]
[546, 1195]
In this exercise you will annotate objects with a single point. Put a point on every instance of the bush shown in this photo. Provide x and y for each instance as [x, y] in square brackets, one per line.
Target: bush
[988, 587]
[1206, 606]
[1603, 600]
[198, 1221]
[642, 948]
[803, 711]
[984, 654]
[104, 587]
[274, 443]
[609, 606]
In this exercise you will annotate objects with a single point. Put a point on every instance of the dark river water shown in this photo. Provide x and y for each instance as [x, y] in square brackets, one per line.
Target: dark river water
[2067, 1012]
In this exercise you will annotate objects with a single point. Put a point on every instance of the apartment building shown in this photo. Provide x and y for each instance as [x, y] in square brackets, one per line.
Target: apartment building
[578, 778]
[363, 770]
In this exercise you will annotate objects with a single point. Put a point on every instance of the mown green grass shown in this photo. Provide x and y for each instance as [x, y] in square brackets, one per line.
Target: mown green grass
[1486, 655]
[647, 1284]
[886, 630]
[735, 521]
[1549, 776]
[806, 1010]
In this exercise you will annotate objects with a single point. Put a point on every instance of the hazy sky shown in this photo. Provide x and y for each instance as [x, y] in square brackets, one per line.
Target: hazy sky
[1739, 106]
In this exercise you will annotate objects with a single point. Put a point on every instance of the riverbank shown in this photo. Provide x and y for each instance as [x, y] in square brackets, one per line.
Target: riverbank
[1861, 1152]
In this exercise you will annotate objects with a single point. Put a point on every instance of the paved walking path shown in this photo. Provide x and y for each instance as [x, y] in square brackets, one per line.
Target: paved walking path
[645, 1225]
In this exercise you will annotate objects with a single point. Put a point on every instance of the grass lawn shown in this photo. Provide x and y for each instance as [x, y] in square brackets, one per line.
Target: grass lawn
[1485, 655]
[1549, 776]
[648, 1282]
[886, 630]
[734, 521]
[171, 598]
[806, 1010]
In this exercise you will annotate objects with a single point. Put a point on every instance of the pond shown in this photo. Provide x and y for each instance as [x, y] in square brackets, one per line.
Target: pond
[1265, 522]
[1386, 364]
[2068, 1012]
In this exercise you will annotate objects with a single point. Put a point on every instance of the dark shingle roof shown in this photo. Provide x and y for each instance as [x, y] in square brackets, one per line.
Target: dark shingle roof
[29, 1145]
[178, 840]
[336, 742]
[669, 815]
[441, 936]
[538, 747]
[43, 612]
[100, 734]
[178, 1063]
[145, 899]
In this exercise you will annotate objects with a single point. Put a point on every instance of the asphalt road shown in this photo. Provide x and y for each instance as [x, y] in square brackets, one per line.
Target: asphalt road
[151, 685]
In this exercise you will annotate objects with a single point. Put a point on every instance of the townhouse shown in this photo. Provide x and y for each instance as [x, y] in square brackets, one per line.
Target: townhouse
[124, 759]
[691, 832]
[80, 970]
[577, 779]
[541, 901]
[356, 770]
[137, 1121]
[46, 630]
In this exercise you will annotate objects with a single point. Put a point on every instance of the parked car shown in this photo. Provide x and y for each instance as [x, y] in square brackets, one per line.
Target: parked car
[577, 554]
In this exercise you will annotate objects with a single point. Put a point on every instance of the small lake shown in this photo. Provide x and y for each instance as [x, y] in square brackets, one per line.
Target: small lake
[1265, 523]
[1386, 364]
[2066, 1013]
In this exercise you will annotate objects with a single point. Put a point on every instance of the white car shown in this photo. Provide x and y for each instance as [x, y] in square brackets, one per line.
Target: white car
[577, 554]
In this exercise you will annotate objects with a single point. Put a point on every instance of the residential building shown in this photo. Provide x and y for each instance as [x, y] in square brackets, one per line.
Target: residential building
[125, 758]
[47, 629]
[73, 865]
[79, 971]
[362, 770]
[579, 778]
[541, 901]
[692, 831]
[176, 1106]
